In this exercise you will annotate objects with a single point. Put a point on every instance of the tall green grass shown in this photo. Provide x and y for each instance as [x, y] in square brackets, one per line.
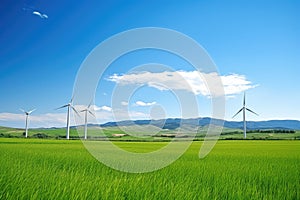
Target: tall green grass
[59, 169]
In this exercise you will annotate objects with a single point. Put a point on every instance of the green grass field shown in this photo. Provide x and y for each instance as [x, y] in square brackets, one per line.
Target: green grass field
[60, 169]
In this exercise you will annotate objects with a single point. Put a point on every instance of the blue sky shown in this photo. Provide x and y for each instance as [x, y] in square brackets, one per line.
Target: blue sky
[40, 57]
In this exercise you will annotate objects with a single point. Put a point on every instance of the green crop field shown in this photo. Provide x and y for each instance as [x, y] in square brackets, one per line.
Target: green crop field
[99, 133]
[60, 169]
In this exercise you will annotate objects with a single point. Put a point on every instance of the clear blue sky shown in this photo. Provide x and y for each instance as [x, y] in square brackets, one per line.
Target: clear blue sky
[40, 57]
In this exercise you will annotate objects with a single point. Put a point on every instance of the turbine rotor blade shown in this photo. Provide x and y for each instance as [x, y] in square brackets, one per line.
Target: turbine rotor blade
[252, 111]
[238, 112]
[62, 107]
[22, 110]
[73, 96]
[92, 113]
[74, 110]
[31, 111]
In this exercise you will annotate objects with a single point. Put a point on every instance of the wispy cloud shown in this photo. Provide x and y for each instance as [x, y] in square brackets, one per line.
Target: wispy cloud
[103, 114]
[41, 15]
[93, 108]
[41, 120]
[104, 108]
[141, 103]
[192, 81]
[124, 103]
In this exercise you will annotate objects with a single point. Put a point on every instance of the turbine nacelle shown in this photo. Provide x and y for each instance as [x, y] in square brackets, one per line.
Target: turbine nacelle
[88, 109]
[70, 105]
[244, 108]
[27, 112]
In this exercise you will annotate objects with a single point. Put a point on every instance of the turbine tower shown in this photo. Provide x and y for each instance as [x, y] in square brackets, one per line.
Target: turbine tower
[244, 109]
[70, 106]
[27, 113]
[86, 111]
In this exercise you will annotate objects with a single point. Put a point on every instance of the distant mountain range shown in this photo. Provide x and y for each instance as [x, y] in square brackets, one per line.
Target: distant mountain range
[173, 123]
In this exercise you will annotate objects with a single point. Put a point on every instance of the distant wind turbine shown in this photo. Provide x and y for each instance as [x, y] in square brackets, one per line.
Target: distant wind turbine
[27, 113]
[86, 111]
[70, 106]
[244, 109]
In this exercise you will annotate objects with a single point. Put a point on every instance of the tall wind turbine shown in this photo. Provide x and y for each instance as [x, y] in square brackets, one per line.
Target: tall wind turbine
[86, 111]
[70, 106]
[244, 109]
[27, 113]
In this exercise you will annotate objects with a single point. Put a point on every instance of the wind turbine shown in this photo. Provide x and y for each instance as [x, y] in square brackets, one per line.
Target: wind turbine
[244, 109]
[27, 113]
[86, 111]
[70, 106]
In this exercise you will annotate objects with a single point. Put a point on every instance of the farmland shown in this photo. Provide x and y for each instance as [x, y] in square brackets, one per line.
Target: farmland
[100, 133]
[60, 169]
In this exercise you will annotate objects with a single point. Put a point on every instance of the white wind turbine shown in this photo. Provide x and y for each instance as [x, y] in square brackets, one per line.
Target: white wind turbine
[70, 106]
[86, 111]
[27, 113]
[244, 109]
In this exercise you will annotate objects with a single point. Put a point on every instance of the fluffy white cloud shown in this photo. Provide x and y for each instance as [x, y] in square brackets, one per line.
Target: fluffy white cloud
[192, 81]
[106, 108]
[141, 103]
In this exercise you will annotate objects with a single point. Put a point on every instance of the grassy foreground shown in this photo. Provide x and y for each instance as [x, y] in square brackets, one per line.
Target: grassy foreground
[59, 169]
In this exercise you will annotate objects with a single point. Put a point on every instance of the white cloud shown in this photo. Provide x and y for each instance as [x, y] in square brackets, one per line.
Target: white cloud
[92, 108]
[41, 120]
[141, 103]
[120, 115]
[106, 108]
[47, 120]
[124, 103]
[41, 15]
[192, 81]
[102, 108]
[103, 114]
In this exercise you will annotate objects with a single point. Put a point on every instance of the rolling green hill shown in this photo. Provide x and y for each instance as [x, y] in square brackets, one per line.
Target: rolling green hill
[144, 133]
